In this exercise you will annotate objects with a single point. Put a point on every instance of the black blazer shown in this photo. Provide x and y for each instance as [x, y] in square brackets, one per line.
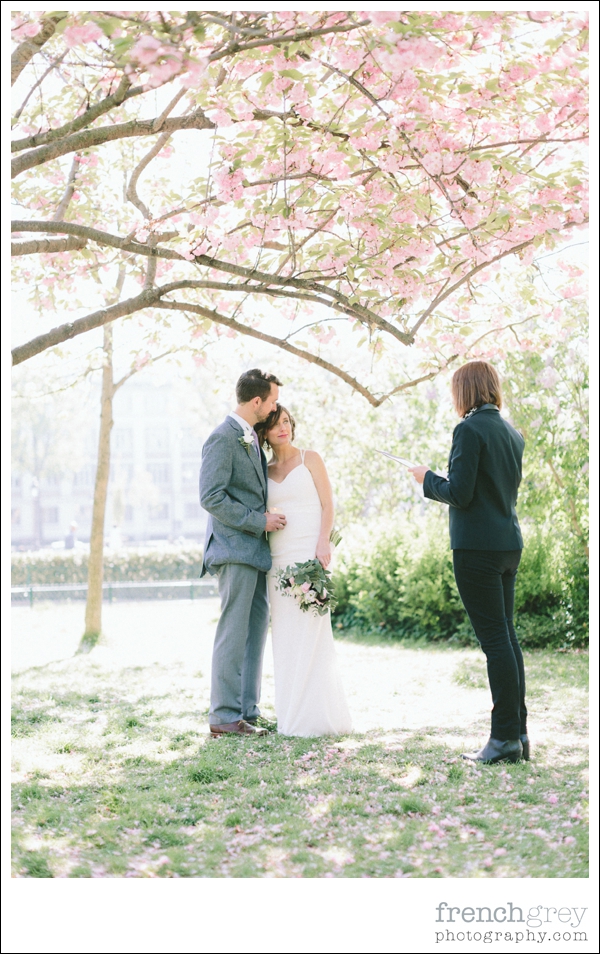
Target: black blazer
[484, 473]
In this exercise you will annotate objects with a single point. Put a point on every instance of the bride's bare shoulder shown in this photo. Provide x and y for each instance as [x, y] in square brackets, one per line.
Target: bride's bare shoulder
[313, 460]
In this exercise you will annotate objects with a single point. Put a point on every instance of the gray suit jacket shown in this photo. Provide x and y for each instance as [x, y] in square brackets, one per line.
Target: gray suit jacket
[233, 489]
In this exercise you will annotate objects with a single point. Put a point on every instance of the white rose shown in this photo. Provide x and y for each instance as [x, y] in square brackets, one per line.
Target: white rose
[248, 437]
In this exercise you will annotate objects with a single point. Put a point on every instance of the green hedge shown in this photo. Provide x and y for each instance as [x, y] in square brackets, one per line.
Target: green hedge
[405, 589]
[134, 565]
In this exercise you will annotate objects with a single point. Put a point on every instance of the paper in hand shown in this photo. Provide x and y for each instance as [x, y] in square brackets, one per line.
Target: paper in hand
[400, 460]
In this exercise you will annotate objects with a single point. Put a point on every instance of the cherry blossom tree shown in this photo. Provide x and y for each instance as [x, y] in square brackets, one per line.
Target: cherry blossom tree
[368, 170]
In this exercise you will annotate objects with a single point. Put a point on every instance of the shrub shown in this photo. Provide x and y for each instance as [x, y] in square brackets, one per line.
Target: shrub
[133, 565]
[405, 588]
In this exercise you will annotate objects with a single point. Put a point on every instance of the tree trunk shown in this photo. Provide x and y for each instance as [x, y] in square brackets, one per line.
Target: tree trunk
[93, 609]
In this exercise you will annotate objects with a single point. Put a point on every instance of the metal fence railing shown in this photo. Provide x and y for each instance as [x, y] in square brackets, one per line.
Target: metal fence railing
[140, 590]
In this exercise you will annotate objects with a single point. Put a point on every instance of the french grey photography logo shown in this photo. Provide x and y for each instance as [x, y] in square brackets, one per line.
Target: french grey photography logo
[512, 923]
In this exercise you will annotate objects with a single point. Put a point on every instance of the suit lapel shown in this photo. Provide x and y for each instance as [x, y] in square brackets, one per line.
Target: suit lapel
[258, 465]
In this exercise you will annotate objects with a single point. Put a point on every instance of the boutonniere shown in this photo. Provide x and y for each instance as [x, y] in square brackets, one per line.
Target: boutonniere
[247, 440]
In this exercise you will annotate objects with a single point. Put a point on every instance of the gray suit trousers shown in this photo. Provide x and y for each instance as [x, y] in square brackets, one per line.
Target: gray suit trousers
[239, 644]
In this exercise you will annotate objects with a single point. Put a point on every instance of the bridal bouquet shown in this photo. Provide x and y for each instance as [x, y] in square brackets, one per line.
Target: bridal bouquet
[309, 584]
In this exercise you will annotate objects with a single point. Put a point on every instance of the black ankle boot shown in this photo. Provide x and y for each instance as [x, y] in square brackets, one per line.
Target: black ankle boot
[525, 744]
[496, 751]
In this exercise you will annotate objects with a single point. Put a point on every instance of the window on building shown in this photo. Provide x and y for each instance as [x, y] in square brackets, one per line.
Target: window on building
[159, 512]
[50, 515]
[189, 474]
[123, 401]
[160, 473]
[84, 512]
[155, 402]
[157, 442]
[15, 516]
[121, 472]
[85, 477]
[191, 442]
[123, 441]
[16, 484]
[191, 511]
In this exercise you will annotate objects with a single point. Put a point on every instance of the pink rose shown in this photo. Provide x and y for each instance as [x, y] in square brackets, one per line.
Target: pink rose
[306, 587]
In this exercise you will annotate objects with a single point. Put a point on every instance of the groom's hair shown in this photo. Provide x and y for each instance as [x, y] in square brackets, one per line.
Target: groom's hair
[254, 383]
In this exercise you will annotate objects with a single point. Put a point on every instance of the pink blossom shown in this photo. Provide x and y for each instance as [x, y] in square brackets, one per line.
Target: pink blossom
[569, 840]
[499, 851]
[306, 587]
[26, 29]
[548, 379]
[195, 70]
[162, 72]
[378, 17]
[87, 33]
[572, 291]
[147, 50]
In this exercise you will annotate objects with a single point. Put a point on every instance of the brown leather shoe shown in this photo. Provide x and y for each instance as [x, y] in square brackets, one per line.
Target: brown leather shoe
[236, 728]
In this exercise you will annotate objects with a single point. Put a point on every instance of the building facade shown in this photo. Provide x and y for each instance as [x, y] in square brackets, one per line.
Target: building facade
[153, 489]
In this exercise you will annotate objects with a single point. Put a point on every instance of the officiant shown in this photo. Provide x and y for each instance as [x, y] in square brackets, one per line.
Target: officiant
[484, 473]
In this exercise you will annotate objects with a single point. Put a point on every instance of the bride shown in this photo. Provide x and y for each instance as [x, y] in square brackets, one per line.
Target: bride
[309, 698]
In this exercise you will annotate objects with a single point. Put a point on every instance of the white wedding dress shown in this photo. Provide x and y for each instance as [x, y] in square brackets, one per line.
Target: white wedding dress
[309, 698]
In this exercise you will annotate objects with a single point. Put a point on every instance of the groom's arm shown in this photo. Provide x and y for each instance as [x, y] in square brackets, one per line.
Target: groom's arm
[215, 478]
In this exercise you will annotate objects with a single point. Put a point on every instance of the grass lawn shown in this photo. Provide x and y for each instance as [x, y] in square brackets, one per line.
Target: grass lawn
[115, 777]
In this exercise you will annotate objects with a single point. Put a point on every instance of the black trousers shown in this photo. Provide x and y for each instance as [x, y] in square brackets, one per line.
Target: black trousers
[486, 583]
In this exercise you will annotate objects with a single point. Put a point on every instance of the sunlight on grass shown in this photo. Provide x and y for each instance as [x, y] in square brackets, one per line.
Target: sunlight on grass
[115, 776]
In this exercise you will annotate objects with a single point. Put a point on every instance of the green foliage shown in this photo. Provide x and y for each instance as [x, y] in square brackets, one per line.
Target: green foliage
[135, 565]
[405, 589]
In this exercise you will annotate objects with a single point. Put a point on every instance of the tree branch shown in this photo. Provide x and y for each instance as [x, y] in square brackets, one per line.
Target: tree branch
[47, 245]
[63, 205]
[73, 328]
[270, 339]
[37, 83]
[27, 50]
[477, 268]
[233, 48]
[123, 92]
[97, 136]
[132, 194]
[265, 279]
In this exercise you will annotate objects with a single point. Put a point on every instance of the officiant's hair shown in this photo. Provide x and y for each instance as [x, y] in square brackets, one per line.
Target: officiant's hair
[263, 426]
[474, 384]
[254, 383]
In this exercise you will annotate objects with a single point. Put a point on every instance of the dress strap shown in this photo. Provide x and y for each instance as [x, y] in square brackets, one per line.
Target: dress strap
[302, 453]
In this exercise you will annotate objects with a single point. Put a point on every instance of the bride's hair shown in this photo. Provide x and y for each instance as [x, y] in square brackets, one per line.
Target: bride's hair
[263, 426]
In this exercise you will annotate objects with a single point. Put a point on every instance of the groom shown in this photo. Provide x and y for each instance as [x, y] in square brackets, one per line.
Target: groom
[233, 489]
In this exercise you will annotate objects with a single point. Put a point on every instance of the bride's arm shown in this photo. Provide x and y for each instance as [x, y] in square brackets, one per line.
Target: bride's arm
[319, 474]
